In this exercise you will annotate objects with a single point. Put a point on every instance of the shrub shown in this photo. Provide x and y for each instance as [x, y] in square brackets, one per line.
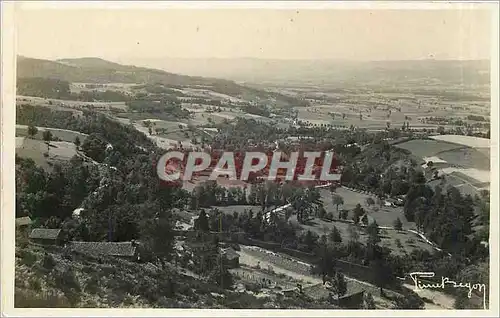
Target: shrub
[35, 284]
[30, 299]
[398, 243]
[67, 280]
[27, 258]
[48, 261]
[92, 285]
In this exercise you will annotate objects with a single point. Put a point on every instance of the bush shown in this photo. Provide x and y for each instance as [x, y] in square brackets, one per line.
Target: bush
[29, 299]
[398, 243]
[48, 261]
[67, 280]
[27, 258]
[167, 286]
[92, 285]
[410, 301]
[35, 284]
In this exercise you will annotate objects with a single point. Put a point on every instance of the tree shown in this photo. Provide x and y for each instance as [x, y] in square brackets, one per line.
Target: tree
[398, 225]
[337, 200]
[355, 219]
[47, 137]
[370, 201]
[77, 142]
[310, 239]
[201, 223]
[157, 232]
[358, 212]
[344, 214]
[220, 275]
[373, 233]
[94, 147]
[338, 285]
[321, 212]
[353, 234]
[335, 235]
[32, 131]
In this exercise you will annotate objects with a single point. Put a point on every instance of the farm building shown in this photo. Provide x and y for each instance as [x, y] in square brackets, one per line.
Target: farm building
[46, 236]
[23, 222]
[127, 250]
[199, 247]
[231, 258]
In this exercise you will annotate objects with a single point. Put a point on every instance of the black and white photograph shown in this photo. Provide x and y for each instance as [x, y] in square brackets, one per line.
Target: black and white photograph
[325, 156]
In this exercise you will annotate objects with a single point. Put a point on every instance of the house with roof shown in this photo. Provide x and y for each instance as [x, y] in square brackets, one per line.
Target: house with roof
[230, 258]
[126, 250]
[23, 222]
[46, 236]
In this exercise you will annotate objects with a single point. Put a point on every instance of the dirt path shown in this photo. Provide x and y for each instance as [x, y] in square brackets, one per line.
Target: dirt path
[441, 300]
[248, 258]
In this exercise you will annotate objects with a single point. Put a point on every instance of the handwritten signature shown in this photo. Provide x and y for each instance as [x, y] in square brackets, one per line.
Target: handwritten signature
[419, 285]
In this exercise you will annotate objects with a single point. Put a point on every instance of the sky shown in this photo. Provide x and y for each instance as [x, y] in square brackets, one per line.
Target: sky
[254, 33]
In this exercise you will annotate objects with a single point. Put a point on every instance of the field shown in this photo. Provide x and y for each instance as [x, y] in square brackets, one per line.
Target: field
[35, 149]
[69, 104]
[466, 158]
[62, 134]
[424, 148]
[465, 167]
[469, 141]
[374, 117]
[385, 216]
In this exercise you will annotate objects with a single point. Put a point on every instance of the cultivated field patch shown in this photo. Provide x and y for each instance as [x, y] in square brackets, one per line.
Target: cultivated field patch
[424, 148]
[62, 134]
[468, 158]
[469, 141]
[35, 150]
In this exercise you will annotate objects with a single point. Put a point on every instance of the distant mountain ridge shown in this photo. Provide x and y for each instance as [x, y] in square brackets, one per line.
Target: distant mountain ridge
[327, 71]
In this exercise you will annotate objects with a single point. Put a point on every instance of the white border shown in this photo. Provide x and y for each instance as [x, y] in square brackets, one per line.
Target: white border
[8, 150]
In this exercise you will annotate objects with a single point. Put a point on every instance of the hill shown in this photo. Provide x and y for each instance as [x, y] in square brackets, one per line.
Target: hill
[316, 72]
[96, 70]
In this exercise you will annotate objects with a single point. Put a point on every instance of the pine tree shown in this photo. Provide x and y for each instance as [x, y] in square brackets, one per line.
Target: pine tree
[335, 235]
[398, 225]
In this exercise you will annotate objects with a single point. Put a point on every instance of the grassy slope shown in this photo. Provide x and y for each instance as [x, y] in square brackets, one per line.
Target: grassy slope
[94, 70]
[106, 282]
